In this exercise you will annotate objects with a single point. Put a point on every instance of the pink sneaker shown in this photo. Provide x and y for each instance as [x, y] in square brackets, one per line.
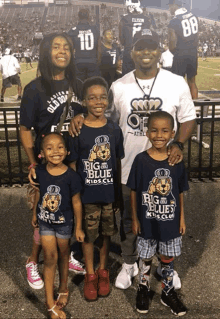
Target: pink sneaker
[76, 266]
[33, 276]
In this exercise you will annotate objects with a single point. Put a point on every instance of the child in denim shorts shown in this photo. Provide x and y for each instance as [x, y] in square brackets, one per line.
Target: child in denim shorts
[158, 211]
[59, 195]
[97, 153]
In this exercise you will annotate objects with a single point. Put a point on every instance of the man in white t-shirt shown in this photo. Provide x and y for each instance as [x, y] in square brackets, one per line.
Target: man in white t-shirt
[146, 89]
[10, 68]
[132, 98]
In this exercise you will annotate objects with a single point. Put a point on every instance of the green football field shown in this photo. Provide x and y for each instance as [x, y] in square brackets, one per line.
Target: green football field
[208, 77]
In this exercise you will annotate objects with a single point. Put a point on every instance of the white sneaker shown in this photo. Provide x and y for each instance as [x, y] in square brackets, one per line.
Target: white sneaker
[123, 280]
[176, 278]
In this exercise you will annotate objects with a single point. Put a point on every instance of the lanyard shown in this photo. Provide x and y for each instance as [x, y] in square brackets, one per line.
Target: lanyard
[146, 97]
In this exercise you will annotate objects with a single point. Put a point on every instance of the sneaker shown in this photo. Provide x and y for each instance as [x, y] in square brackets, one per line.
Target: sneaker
[142, 299]
[2, 99]
[33, 276]
[76, 266]
[176, 278]
[19, 98]
[91, 287]
[103, 282]
[123, 280]
[171, 300]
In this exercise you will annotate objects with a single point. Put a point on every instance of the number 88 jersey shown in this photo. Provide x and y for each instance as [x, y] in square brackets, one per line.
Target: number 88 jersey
[185, 25]
[85, 41]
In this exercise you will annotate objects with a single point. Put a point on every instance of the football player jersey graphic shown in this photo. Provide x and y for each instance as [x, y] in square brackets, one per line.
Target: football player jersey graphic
[185, 25]
[85, 39]
[130, 24]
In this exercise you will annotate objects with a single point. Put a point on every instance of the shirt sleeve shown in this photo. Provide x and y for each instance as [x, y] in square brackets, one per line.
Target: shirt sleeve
[119, 144]
[132, 178]
[112, 111]
[186, 110]
[75, 183]
[73, 143]
[28, 109]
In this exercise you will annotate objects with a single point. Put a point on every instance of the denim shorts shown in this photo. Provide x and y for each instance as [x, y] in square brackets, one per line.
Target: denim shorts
[59, 231]
[147, 248]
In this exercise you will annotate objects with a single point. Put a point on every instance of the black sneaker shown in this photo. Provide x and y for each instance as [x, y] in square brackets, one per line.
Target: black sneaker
[2, 99]
[171, 300]
[142, 299]
[19, 98]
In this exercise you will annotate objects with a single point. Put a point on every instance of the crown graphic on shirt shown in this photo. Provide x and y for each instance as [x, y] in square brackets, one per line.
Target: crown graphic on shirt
[102, 140]
[162, 173]
[53, 189]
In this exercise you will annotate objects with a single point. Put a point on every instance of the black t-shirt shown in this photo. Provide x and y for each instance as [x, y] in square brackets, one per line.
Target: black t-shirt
[43, 112]
[96, 151]
[157, 186]
[110, 56]
[56, 192]
[85, 41]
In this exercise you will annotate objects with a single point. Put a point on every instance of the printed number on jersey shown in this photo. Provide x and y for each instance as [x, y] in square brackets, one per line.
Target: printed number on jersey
[113, 55]
[136, 27]
[190, 26]
[86, 41]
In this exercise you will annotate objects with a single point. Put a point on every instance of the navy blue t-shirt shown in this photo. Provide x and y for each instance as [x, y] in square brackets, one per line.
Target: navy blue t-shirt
[110, 57]
[56, 192]
[186, 28]
[42, 111]
[96, 151]
[157, 186]
[85, 41]
[130, 24]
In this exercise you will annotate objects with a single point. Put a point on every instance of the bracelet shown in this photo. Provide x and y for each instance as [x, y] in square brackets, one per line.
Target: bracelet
[179, 144]
[82, 115]
[32, 166]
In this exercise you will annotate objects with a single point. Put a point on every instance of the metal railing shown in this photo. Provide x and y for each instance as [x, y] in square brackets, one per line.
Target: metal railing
[202, 159]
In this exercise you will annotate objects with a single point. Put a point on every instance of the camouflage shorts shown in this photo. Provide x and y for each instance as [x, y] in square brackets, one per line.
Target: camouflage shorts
[98, 219]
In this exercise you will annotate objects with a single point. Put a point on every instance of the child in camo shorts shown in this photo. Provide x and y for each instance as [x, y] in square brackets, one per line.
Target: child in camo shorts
[97, 154]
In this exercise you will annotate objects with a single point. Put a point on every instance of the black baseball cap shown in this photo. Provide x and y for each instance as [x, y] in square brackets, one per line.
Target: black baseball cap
[146, 38]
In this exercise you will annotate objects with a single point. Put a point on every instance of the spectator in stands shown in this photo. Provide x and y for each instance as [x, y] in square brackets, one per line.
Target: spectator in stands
[110, 57]
[42, 105]
[129, 24]
[85, 41]
[183, 41]
[10, 69]
[137, 94]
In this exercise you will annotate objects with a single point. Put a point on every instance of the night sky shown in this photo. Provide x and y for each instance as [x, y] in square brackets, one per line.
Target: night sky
[203, 8]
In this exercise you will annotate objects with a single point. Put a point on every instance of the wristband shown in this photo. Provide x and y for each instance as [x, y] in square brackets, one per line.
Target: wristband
[179, 144]
[32, 166]
[82, 115]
